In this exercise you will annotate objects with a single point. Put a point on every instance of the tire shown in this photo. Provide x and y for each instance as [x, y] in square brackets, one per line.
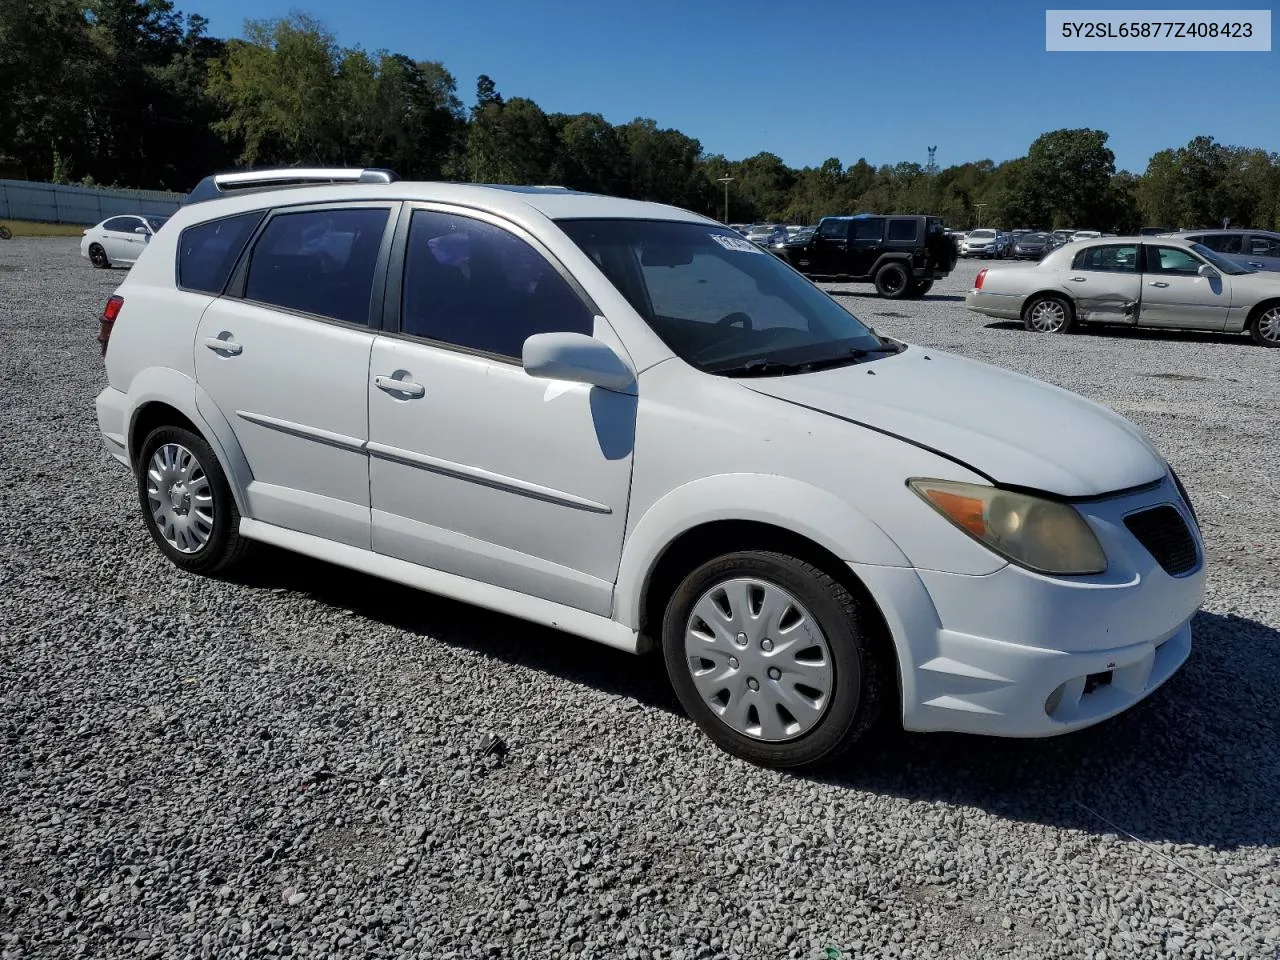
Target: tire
[820, 729]
[892, 281]
[1048, 314]
[98, 256]
[5, 233]
[920, 287]
[1265, 326]
[209, 544]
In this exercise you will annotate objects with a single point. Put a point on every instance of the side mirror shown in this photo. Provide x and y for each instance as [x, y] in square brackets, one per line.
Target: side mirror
[1207, 271]
[576, 358]
[142, 230]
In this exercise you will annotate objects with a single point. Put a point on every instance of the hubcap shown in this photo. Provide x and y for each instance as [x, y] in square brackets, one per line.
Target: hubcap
[180, 498]
[893, 281]
[1269, 325]
[759, 659]
[1048, 316]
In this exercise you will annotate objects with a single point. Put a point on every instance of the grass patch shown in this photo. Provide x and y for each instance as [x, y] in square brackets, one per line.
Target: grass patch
[29, 228]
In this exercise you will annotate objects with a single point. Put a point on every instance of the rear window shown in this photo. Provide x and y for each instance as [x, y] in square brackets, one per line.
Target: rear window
[207, 252]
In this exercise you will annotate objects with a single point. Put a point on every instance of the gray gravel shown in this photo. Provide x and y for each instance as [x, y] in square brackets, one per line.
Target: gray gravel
[289, 764]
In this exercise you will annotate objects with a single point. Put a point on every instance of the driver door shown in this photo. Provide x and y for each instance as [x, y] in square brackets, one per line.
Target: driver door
[1175, 295]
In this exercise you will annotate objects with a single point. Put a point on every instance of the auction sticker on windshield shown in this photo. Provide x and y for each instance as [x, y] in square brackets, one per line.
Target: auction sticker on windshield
[736, 243]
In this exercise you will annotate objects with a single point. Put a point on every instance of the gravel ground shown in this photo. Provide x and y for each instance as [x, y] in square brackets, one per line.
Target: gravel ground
[289, 764]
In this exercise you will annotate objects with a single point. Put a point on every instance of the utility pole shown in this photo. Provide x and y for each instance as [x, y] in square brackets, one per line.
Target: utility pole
[979, 206]
[726, 180]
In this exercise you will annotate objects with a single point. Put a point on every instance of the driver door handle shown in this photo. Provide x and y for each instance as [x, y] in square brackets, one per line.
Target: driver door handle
[406, 388]
[1157, 283]
[1079, 279]
[218, 345]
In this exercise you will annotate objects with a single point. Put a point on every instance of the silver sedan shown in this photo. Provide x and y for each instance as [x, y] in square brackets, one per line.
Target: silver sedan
[1133, 281]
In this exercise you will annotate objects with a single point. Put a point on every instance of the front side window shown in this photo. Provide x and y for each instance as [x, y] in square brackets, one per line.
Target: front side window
[1264, 246]
[834, 229]
[1111, 258]
[474, 285]
[319, 262]
[122, 224]
[718, 301]
[903, 231]
[207, 252]
[1172, 260]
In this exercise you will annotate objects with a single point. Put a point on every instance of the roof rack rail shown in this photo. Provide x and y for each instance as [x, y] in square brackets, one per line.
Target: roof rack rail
[252, 181]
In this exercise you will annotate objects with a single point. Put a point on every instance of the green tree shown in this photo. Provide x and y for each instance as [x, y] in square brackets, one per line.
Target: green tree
[1071, 171]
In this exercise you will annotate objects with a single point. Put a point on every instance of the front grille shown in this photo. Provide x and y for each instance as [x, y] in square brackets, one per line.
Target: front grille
[1165, 535]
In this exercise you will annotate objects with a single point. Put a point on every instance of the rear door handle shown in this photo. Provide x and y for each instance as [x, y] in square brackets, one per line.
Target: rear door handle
[1252, 264]
[218, 345]
[406, 388]
[1157, 283]
[1079, 279]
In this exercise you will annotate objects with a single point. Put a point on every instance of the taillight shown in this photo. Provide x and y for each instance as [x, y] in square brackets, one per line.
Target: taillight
[982, 275]
[109, 314]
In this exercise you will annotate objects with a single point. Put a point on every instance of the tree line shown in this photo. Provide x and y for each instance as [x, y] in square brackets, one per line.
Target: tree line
[135, 93]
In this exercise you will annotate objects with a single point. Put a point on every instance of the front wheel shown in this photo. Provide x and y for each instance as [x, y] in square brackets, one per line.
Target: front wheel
[187, 503]
[773, 659]
[1265, 328]
[1048, 314]
[892, 281]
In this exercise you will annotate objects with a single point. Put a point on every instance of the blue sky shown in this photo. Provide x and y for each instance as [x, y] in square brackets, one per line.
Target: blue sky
[811, 80]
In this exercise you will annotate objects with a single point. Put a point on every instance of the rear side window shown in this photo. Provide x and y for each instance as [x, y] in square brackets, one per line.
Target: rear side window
[903, 230]
[868, 229]
[207, 252]
[319, 262]
[1108, 259]
[1264, 247]
[1224, 242]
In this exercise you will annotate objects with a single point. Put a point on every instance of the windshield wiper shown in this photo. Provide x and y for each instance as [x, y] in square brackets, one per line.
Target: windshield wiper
[761, 367]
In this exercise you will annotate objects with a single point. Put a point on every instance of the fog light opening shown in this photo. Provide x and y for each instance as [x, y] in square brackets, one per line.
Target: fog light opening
[1054, 699]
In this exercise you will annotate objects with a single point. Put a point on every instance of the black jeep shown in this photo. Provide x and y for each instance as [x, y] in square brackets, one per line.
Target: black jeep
[901, 255]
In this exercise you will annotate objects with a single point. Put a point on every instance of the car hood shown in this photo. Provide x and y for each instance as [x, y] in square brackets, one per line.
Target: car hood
[1015, 430]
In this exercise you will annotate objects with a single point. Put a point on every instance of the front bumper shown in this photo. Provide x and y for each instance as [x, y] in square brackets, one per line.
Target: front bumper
[1017, 654]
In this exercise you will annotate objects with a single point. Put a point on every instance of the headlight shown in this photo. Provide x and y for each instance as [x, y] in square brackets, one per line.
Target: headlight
[1041, 535]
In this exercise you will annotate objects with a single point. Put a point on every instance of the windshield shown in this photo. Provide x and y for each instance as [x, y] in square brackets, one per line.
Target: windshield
[1033, 238]
[982, 234]
[762, 230]
[1218, 260]
[157, 222]
[716, 300]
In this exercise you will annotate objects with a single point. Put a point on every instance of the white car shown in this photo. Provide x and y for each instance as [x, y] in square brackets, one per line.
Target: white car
[119, 240]
[1085, 235]
[624, 420]
[981, 243]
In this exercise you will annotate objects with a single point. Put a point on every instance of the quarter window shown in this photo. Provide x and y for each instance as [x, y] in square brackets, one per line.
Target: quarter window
[475, 285]
[319, 262]
[903, 231]
[207, 252]
[1117, 258]
[1173, 260]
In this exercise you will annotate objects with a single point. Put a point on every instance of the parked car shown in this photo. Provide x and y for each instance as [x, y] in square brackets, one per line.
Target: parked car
[1063, 236]
[623, 420]
[118, 240]
[1142, 281]
[1032, 246]
[1085, 235]
[767, 234]
[983, 242]
[1257, 249]
[1004, 243]
[901, 255]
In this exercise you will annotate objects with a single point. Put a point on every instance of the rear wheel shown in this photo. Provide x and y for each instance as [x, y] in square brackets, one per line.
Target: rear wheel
[920, 287]
[892, 281]
[187, 503]
[1265, 328]
[1048, 314]
[5, 233]
[98, 256]
[773, 659]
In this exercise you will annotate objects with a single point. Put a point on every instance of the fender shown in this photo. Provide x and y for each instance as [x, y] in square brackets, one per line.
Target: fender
[799, 507]
[902, 258]
[175, 389]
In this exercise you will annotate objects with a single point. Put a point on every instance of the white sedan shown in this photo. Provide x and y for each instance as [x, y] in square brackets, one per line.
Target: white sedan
[119, 240]
[1134, 281]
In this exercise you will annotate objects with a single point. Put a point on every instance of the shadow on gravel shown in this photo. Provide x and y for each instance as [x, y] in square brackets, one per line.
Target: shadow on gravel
[1197, 762]
[1142, 333]
[872, 295]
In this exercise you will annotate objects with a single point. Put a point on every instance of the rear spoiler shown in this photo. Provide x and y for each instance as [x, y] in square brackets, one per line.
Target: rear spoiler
[236, 182]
